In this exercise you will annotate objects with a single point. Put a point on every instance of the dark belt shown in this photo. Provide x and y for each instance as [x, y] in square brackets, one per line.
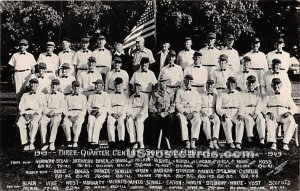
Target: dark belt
[278, 106]
[207, 107]
[170, 86]
[82, 69]
[220, 88]
[256, 68]
[75, 109]
[101, 66]
[229, 107]
[48, 72]
[250, 105]
[95, 107]
[146, 92]
[29, 109]
[116, 105]
[22, 70]
[138, 106]
[209, 65]
[197, 86]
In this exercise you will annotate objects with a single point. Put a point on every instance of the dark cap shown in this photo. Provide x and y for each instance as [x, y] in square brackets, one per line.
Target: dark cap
[247, 58]
[276, 61]
[187, 38]
[65, 65]
[229, 36]
[85, 39]
[172, 53]
[42, 65]
[210, 82]
[144, 60]
[55, 81]
[223, 57]
[118, 81]
[66, 39]
[212, 35]
[50, 43]
[34, 80]
[137, 83]
[101, 37]
[75, 83]
[23, 41]
[92, 59]
[255, 40]
[117, 59]
[197, 53]
[99, 81]
[231, 79]
[276, 81]
[280, 40]
[188, 77]
[251, 79]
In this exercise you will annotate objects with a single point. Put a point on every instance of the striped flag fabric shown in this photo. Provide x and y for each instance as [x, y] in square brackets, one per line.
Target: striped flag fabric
[145, 27]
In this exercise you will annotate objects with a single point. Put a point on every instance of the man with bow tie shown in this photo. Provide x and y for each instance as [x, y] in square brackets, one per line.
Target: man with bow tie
[52, 114]
[44, 81]
[210, 54]
[173, 71]
[275, 72]
[117, 113]
[252, 111]
[185, 57]
[279, 108]
[280, 54]
[233, 55]
[208, 115]
[81, 57]
[259, 63]
[137, 113]
[30, 107]
[74, 111]
[86, 79]
[50, 59]
[145, 76]
[23, 64]
[198, 72]
[119, 52]
[221, 74]
[103, 57]
[66, 79]
[229, 107]
[115, 73]
[188, 105]
[162, 109]
[67, 55]
[242, 75]
[97, 106]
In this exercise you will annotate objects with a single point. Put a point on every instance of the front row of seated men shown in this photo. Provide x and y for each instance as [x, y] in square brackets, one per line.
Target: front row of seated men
[231, 108]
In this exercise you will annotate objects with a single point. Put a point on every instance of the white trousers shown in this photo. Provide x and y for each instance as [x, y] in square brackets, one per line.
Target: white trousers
[20, 79]
[239, 129]
[111, 128]
[33, 126]
[195, 130]
[54, 124]
[207, 129]
[260, 125]
[76, 128]
[135, 129]
[94, 127]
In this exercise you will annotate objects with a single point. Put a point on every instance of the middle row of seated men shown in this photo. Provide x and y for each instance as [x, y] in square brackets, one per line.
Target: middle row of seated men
[198, 103]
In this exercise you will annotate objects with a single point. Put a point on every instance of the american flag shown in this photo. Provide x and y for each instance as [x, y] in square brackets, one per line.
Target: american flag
[145, 27]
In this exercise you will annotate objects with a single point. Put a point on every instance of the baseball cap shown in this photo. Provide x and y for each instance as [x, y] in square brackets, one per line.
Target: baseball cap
[256, 40]
[23, 41]
[223, 57]
[144, 60]
[50, 43]
[251, 78]
[276, 61]
[118, 80]
[247, 58]
[65, 65]
[42, 65]
[210, 82]
[117, 59]
[99, 81]
[66, 39]
[101, 37]
[231, 79]
[280, 40]
[85, 39]
[55, 81]
[188, 77]
[276, 81]
[92, 59]
[76, 83]
[197, 53]
[212, 35]
[172, 53]
[34, 80]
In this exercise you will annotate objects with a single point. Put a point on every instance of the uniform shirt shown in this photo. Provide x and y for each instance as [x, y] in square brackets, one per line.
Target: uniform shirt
[279, 104]
[210, 56]
[137, 55]
[66, 84]
[118, 103]
[241, 79]
[112, 75]
[100, 101]
[187, 100]
[233, 58]
[86, 80]
[103, 57]
[283, 56]
[147, 80]
[80, 59]
[22, 61]
[199, 74]
[162, 101]
[67, 57]
[44, 82]
[174, 73]
[229, 103]
[258, 60]
[185, 58]
[282, 75]
[208, 103]
[138, 104]
[54, 101]
[220, 77]
[75, 105]
[31, 103]
[252, 102]
[51, 60]
[163, 56]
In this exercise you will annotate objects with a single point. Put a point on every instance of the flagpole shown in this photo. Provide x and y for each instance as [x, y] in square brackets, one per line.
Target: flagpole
[154, 8]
